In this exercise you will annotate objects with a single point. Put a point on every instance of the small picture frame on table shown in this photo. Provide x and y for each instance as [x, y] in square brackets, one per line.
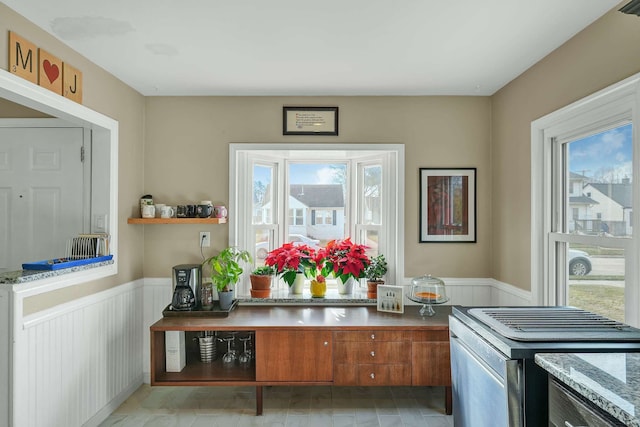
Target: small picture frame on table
[391, 299]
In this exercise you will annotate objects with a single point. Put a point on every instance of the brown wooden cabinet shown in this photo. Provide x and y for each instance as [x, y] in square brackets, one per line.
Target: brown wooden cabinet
[430, 360]
[316, 345]
[294, 356]
[372, 358]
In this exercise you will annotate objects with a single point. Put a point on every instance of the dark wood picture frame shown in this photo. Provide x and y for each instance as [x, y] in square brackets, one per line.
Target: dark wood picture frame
[447, 205]
[310, 121]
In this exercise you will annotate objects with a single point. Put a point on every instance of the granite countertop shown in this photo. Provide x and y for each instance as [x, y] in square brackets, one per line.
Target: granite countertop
[25, 276]
[610, 380]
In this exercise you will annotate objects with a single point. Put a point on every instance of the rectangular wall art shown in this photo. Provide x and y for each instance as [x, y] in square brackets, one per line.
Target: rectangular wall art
[447, 205]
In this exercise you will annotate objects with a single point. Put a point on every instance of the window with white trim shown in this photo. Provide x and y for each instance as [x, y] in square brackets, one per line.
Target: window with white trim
[354, 191]
[584, 164]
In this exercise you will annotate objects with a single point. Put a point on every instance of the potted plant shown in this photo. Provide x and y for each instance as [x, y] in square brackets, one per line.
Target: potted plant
[348, 261]
[289, 262]
[261, 281]
[225, 273]
[374, 273]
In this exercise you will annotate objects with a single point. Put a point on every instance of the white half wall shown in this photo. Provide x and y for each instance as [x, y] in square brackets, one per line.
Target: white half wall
[75, 363]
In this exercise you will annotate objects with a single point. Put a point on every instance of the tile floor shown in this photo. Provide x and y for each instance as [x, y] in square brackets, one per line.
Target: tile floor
[321, 406]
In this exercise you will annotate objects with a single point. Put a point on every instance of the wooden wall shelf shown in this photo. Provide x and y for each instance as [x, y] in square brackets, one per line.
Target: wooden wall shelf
[177, 221]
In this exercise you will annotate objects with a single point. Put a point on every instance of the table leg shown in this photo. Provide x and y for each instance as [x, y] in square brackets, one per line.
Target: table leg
[448, 407]
[259, 400]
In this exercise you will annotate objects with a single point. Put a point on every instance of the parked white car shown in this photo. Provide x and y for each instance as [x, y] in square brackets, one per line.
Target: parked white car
[262, 248]
[579, 263]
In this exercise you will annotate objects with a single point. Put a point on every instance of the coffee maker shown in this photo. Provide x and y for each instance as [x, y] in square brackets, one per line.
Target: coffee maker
[187, 283]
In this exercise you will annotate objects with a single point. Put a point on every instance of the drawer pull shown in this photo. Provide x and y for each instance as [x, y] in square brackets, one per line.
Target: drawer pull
[373, 336]
[326, 343]
[373, 376]
[373, 354]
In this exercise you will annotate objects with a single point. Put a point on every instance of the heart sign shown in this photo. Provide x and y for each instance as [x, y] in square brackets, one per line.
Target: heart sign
[51, 70]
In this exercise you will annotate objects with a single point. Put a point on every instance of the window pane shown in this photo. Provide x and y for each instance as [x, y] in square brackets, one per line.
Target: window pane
[317, 202]
[263, 194]
[597, 280]
[263, 246]
[599, 184]
[372, 209]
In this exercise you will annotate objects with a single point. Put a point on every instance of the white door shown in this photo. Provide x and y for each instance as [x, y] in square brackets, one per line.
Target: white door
[41, 193]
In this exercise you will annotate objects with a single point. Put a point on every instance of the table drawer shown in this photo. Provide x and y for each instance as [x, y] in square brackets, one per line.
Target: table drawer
[372, 352]
[371, 336]
[372, 374]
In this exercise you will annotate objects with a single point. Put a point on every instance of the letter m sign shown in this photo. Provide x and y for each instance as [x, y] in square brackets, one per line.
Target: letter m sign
[22, 58]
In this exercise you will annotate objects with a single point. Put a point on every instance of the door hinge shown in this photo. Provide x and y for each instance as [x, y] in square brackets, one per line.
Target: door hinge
[82, 154]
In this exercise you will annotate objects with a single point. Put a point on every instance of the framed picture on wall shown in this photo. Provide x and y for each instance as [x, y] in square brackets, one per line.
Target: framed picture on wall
[310, 121]
[447, 205]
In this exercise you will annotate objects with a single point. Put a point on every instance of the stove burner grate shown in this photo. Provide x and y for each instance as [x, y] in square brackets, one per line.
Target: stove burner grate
[552, 324]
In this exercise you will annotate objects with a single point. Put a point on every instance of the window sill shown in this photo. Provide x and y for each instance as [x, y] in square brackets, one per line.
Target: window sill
[332, 297]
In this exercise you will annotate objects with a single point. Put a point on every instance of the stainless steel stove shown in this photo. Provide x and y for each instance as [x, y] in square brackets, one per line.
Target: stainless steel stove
[495, 379]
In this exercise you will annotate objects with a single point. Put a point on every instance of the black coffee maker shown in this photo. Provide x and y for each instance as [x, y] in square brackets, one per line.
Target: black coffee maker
[187, 283]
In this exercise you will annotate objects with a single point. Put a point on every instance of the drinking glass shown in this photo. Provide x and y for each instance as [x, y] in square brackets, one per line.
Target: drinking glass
[245, 356]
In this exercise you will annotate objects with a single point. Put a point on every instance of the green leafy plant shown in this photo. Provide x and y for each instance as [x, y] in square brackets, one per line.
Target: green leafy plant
[264, 270]
[225, 267]
[376, 269]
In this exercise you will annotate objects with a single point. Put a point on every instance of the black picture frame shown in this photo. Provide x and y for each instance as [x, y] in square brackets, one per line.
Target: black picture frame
[448, 205]
[310, 121]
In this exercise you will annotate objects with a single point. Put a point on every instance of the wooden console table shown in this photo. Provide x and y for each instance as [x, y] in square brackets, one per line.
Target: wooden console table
[316, 346]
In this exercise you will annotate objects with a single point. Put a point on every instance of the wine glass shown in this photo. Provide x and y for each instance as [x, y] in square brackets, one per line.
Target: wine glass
[245, 356]
[231, 355]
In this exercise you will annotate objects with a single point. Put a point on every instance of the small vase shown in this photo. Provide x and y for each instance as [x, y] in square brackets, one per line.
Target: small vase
[298, 284]
[318, 289]
[345, 288]
[226, 299]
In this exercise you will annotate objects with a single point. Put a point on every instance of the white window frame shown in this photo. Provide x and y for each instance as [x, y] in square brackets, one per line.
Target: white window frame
[240, 203]
[616, 103]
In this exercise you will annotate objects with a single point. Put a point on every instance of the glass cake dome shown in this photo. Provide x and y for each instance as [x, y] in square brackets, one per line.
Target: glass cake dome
[428, 290]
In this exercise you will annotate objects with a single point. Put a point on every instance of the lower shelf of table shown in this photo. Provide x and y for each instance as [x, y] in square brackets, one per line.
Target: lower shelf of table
[214, 371]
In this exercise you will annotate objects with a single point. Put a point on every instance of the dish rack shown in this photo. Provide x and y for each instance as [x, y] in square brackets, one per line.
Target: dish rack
[80, 250]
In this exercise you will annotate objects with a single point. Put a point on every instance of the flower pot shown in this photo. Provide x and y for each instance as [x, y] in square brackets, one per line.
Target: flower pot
[260, 281]
[318, 289]
[260, 293]
[372, 288]
[298, 284]
[345, 288]
[226, 299]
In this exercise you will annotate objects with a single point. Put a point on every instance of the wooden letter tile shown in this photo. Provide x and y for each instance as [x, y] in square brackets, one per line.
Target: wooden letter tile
[50, 72]
[72, 83]
[23, 61]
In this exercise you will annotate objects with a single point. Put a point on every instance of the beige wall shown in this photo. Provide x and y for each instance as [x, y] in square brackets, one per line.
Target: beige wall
[185, 151]
[187, 159]
[604, 53]
[109, 96]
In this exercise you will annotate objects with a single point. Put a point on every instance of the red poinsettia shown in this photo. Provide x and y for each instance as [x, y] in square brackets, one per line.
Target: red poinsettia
[289, 259]
[346, 259]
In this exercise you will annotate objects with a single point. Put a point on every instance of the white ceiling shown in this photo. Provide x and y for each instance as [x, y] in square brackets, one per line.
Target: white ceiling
[305, 47]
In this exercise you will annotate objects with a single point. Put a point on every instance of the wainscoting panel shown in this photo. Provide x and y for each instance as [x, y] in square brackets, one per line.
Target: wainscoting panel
[75, 363]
